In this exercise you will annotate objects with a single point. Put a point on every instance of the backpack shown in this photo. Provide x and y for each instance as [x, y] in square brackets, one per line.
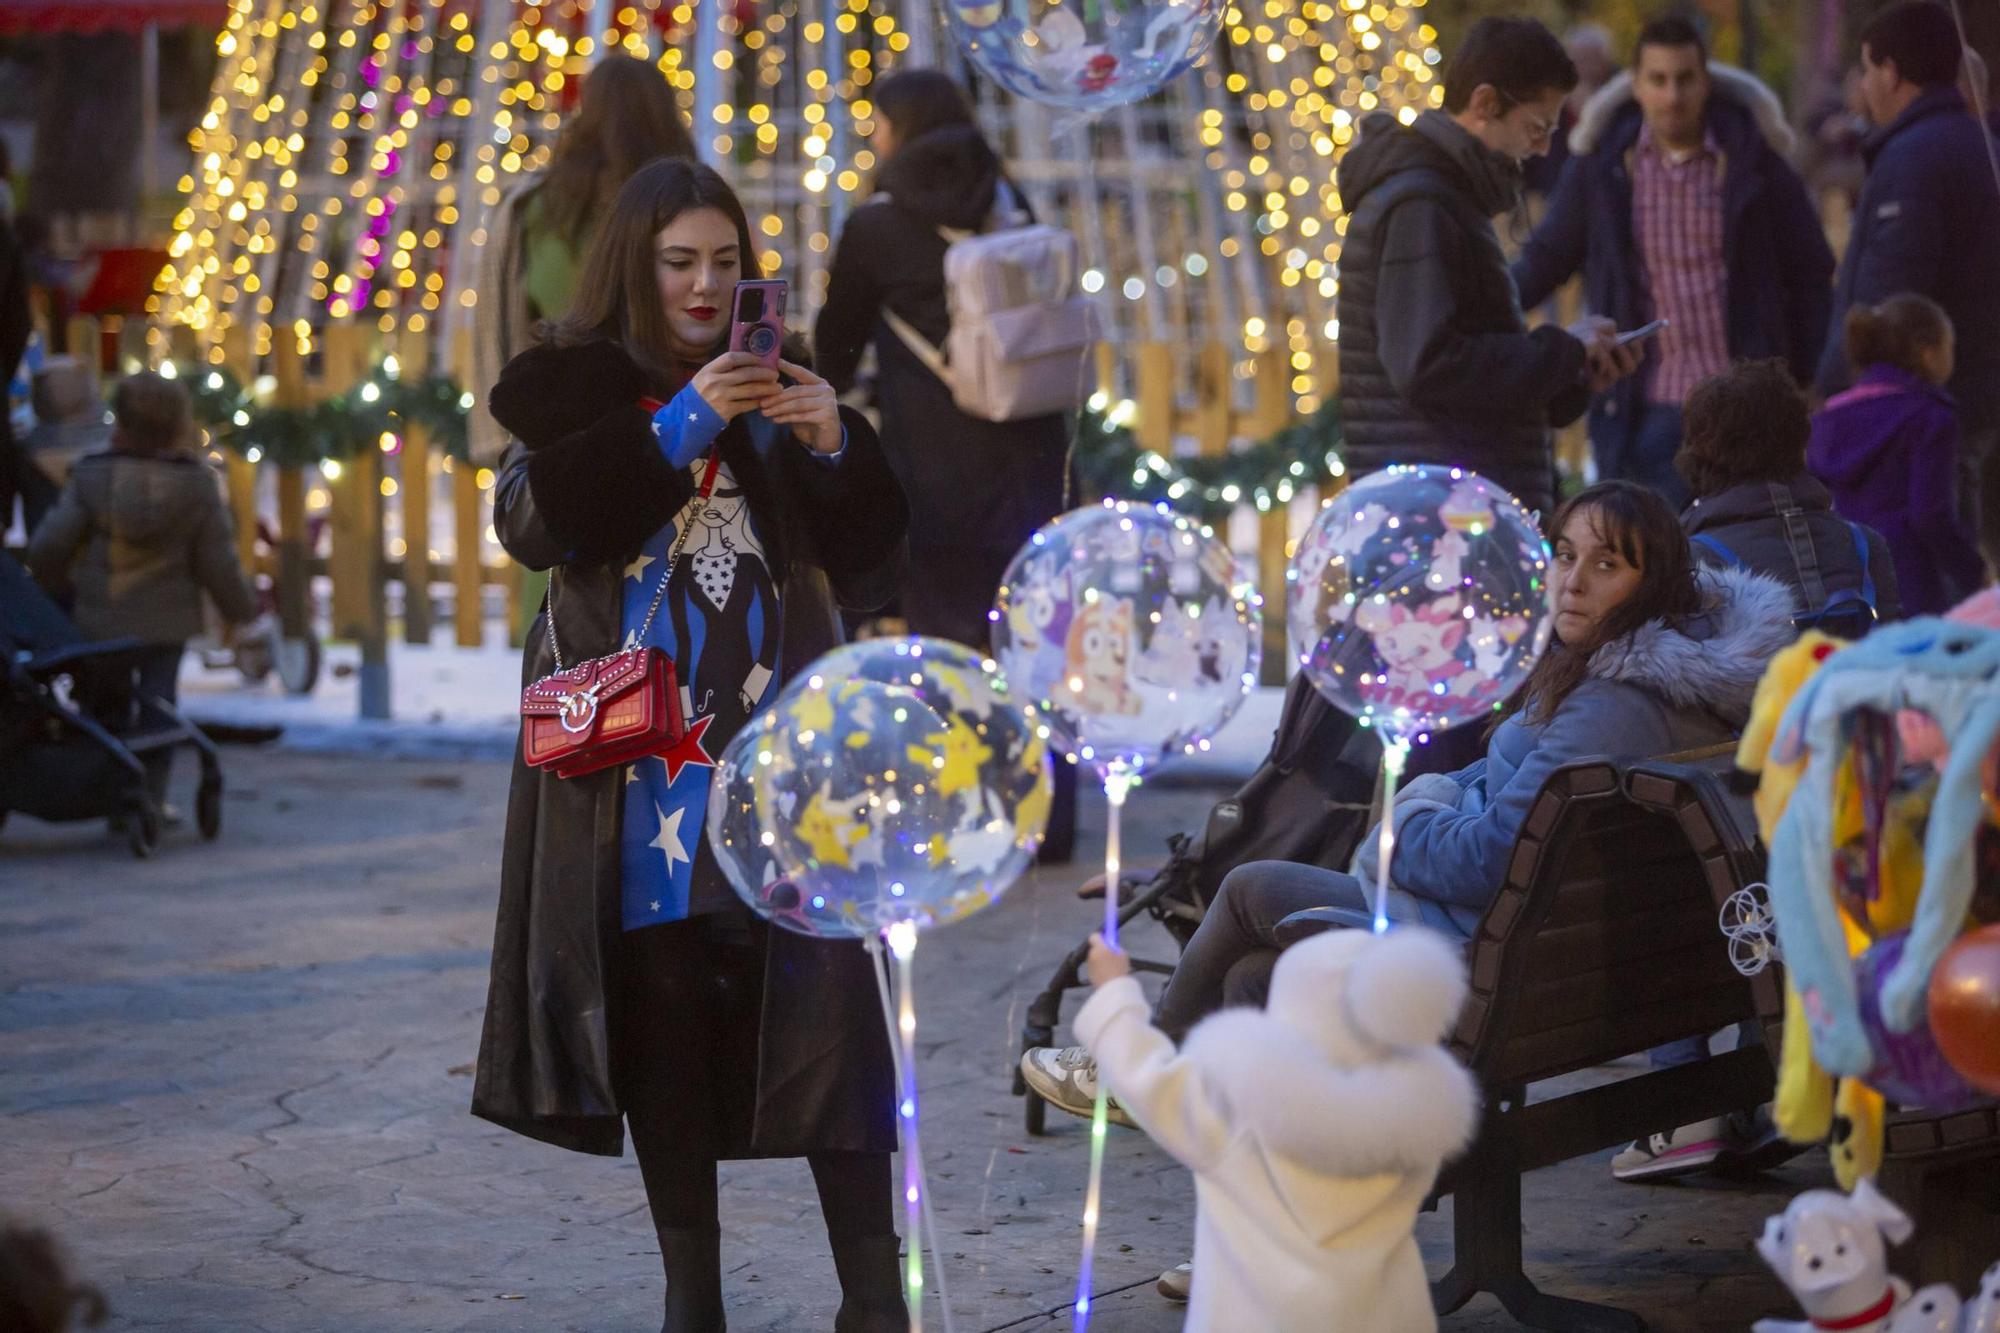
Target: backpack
[1310, 801]
[1021, 334]
[1847, 614]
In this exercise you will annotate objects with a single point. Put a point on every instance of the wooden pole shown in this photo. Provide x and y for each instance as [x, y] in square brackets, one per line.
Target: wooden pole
[238, 360]
[468, 613]
[1155, 369]
[360, 605]
[414, 472]
[294, 575]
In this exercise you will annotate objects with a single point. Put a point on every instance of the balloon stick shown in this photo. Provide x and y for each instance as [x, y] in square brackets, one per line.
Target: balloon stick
[1118, 779]
[1395, 753]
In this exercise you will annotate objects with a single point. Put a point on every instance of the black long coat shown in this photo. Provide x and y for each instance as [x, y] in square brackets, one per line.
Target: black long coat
[583, 487]
[978, 489]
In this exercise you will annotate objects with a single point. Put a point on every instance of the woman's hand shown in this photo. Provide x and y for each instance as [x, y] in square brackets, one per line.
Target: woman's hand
[735, 383]
[1105, 962]
[809, 407]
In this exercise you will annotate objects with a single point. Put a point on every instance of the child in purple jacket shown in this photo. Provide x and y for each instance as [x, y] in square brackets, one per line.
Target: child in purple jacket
[1888, 450]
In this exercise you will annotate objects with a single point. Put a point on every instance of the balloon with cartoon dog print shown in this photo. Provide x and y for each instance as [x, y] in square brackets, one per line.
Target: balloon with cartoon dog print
[1129, 628]
[1418, 599]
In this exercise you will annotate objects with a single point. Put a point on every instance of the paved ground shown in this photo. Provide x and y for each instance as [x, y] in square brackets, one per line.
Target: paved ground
[234, 1080]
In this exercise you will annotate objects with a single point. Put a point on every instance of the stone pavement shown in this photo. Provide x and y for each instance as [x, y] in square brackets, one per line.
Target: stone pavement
[234, 1078]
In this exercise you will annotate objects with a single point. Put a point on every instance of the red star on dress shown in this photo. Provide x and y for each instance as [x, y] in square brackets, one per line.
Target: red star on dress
[688, 751]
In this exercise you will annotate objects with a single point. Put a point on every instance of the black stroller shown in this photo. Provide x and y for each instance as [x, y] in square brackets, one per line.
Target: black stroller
[1310, 801]
[70, 737]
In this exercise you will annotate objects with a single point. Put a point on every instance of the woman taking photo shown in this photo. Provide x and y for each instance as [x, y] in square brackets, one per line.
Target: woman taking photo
[691, 499]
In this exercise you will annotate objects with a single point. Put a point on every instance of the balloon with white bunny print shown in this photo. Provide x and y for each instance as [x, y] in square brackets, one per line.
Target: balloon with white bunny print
[1418, 599]
[1086, 56]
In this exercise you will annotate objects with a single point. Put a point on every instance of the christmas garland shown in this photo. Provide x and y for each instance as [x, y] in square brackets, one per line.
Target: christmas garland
[1110, 461]
[384, 403]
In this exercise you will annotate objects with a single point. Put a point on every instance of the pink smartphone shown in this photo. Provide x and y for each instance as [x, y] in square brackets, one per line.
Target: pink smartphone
[757, 318]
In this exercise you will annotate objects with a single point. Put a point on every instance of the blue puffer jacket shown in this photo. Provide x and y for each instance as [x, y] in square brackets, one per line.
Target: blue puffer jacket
[1780, 270]
[1927, 222]
[1661, 689]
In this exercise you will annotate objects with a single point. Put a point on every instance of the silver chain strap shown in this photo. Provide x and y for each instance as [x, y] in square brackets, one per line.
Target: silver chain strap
[660, 594]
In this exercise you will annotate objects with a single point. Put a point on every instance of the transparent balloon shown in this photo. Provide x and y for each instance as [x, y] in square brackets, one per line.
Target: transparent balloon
[1085, 55]
[895, 780]
[1419, 599]
[1129, 628]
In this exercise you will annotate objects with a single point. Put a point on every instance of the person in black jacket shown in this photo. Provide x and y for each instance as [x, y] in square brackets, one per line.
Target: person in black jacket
[1678, 202]
[1437, 364]
[1756, 506]
[977, 489]
[1927, 223]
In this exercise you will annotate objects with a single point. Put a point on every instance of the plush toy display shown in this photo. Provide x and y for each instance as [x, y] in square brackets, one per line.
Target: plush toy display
[1829, 1250]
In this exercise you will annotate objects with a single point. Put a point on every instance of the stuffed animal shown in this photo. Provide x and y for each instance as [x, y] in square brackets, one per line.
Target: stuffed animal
[1827, 1248]
[1952, 673]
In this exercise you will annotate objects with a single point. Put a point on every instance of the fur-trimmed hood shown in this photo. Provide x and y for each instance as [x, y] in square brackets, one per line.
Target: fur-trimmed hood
[1352, 1021]
[1743, 88]
[1712, 660]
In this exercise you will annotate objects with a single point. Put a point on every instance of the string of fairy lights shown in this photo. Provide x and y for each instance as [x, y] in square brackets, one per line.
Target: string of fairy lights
[344, 167]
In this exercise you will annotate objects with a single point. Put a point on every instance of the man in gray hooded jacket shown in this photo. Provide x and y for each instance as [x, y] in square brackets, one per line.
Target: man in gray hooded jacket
[1437, 364]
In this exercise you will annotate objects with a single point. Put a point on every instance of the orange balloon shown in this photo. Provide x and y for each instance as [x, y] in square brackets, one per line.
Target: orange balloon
[1965, 1007]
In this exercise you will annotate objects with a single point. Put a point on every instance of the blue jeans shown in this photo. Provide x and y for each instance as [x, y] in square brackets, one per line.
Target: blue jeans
[1649, 454]
[1229, 960]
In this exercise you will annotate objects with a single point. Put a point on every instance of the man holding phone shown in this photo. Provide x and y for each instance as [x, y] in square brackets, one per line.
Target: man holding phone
[1678, 205]
[1437, 364]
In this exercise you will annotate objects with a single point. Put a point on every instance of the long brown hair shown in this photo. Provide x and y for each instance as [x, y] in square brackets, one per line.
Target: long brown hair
[626, 118]
[1898, 331]
[1643, 528]
[618, 295]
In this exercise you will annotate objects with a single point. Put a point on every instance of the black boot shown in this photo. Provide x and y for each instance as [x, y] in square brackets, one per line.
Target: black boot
[693, 1263]
[871, 1286]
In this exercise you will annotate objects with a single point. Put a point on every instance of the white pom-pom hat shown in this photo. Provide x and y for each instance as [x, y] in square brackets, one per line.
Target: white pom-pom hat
[1357, 996]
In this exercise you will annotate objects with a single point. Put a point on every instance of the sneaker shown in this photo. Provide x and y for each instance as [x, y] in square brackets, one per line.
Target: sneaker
[1661, 1156]
[1755, 1145]
[1067, 1080]
[1175, 1282]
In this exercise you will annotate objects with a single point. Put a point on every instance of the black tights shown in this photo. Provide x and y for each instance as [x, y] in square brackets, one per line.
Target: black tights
[855, 1189]
[684, 1040]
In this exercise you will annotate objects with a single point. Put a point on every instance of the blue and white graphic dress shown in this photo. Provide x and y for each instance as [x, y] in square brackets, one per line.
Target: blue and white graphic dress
[719, 623]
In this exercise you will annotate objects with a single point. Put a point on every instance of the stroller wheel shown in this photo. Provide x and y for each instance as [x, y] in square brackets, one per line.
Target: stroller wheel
[142, 828]
[208, 809]
[1035, 1114]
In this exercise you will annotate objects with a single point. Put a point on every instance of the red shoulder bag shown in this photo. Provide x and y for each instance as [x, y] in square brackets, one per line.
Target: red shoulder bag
[608, 710]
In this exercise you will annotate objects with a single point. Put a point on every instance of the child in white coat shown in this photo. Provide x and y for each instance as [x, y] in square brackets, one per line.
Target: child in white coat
[1314, 1127]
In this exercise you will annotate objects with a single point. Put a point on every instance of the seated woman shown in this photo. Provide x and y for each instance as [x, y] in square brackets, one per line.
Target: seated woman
[1743, 454]
[1649, 657]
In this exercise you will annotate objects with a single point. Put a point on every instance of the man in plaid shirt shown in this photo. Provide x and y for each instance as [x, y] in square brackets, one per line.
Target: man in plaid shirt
[1678, 204]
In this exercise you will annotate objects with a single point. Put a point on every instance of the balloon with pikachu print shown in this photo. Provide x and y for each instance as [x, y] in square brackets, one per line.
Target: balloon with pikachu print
[895, 780]
[1418, 599]
[1130, 629]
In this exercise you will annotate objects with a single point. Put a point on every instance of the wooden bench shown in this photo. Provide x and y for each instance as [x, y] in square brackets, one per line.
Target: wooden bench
[1602, 944]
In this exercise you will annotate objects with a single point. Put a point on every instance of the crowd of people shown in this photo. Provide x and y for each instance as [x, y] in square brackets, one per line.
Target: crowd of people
[739, 515]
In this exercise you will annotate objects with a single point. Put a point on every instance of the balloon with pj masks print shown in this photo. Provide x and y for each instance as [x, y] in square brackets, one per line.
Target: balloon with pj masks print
[1085, 55]
[1418, 599]
[1128, 627]
[895, 780]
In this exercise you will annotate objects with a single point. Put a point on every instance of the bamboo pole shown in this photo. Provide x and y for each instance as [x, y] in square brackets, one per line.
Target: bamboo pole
[1154, 368]
[360, 604]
